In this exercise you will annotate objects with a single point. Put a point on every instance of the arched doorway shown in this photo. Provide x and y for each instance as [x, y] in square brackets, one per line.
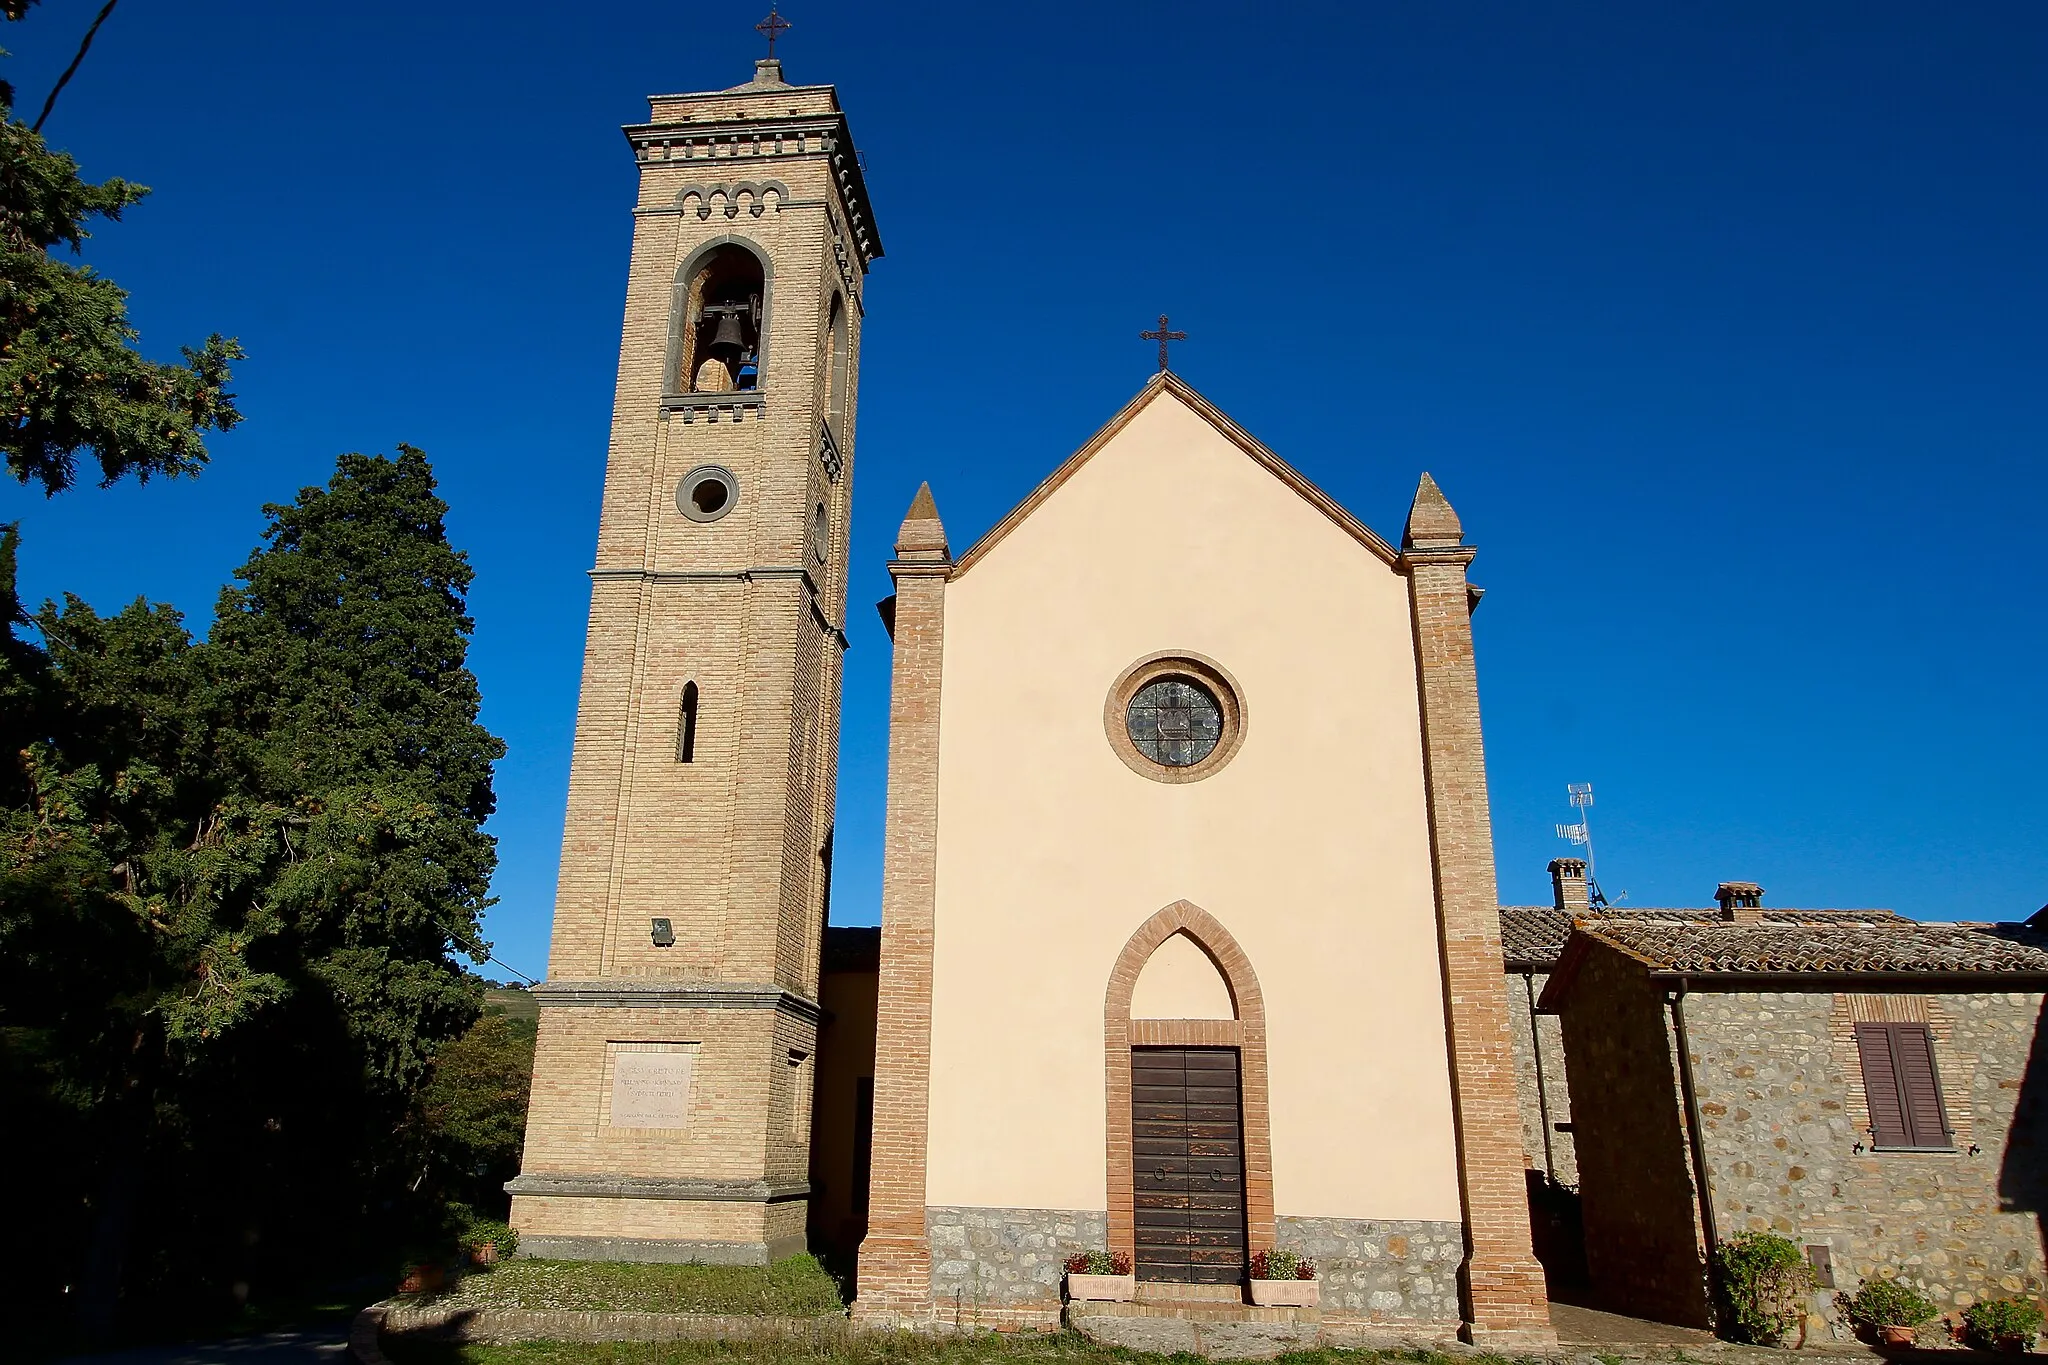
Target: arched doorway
[1190, 1167]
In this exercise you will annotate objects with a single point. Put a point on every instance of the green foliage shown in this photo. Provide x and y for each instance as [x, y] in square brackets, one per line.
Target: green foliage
[342, 658]
[483, 1232]
[468, 1120]
[1987, 1322]
[1098, 1263]
[1882, 1302]
[233, 878]
[1761, 1277]
[71, 379]
[1281, 1265]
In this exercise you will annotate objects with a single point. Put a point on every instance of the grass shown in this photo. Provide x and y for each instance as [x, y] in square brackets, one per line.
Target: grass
[794, 1288]
[512, 1004]
[850, 1348]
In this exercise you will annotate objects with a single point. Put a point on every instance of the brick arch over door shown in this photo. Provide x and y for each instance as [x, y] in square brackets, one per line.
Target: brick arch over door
[1247, 1033]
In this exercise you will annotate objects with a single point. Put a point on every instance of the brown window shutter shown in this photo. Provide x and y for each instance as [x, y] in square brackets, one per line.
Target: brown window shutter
[1902, 1086]
[1913, 1055]
[1881, 1086]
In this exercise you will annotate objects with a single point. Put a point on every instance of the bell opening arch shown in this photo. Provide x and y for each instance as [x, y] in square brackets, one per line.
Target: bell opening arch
[718, 321]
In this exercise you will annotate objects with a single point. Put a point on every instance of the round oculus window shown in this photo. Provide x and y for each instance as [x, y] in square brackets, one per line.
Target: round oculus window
[1174, 717]
[1174, 721]
[707, 493]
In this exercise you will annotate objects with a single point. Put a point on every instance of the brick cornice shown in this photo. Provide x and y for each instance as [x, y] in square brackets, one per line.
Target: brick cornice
[659, 993]
[1458, 556]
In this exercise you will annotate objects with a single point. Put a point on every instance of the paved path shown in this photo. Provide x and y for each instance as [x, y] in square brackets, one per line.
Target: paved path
[1578, 1326]
[323, 1345]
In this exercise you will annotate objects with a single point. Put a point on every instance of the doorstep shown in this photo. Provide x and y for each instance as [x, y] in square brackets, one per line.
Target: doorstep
[1195, 1310]
[1206, 1327]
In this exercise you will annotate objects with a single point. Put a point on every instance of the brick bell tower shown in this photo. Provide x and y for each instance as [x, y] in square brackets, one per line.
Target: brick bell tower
[670, 1118]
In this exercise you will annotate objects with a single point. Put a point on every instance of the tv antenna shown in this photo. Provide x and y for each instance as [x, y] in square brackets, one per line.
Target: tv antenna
[1580, 833]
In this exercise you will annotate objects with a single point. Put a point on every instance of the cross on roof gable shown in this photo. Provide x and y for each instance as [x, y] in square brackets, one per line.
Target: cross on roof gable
[1167, 382]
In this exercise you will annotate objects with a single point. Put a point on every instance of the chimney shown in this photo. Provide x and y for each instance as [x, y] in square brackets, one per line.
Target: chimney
[1741, 902]
[1568, 885]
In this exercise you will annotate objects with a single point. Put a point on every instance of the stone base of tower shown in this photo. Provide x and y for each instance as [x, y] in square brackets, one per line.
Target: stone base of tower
[670, 1121]
[667, 1230]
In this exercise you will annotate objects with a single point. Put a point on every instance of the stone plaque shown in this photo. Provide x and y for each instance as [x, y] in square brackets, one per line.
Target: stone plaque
[651, 1089]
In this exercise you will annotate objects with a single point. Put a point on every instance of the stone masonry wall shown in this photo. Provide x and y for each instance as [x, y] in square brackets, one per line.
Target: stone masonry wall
[1006, 1257]
[1384, 1270]
[1782, 1111]
[1643, 1251]
[1560, 1161]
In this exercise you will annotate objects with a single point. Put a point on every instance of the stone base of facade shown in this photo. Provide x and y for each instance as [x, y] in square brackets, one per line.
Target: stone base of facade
[1377, 1269]
[715, 1232]
[996, 1265]
[1006, 1258]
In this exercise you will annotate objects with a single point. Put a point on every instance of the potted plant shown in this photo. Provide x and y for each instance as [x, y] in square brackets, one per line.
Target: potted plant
[489, 1242]
[1101, 1277]
[420, 1277]
[2002, 1324]
[1282, 1279]
[1889, 1309]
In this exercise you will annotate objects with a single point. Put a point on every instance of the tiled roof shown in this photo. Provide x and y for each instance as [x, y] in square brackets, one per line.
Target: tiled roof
[1869, 946]
[1532, 936]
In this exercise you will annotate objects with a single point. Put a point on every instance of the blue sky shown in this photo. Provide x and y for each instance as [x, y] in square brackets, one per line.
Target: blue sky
[1724, 327]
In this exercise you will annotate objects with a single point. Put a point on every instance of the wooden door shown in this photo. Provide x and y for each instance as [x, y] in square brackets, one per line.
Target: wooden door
[1187, 1164]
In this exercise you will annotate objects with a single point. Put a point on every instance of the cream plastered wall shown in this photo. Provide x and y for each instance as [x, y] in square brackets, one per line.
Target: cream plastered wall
[1180, 982]
[1311, 845]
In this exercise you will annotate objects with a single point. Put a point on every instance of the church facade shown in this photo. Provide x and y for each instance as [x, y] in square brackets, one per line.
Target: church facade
[1190, 945]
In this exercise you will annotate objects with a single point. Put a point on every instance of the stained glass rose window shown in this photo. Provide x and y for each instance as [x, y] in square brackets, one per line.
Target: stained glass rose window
[1174, 721]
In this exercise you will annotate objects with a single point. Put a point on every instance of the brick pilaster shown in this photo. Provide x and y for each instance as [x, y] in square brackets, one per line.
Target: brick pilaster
[894, 1274]
[1506, 1304]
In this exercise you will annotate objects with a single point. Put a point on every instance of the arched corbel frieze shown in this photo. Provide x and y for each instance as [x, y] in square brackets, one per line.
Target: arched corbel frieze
[728, 198]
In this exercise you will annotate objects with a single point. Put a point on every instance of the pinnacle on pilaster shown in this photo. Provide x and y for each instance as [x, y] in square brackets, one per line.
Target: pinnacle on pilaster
[922, 535]
[1432, 525]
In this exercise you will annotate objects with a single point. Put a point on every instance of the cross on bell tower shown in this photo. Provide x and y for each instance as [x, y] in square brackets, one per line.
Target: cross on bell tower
[774, 26]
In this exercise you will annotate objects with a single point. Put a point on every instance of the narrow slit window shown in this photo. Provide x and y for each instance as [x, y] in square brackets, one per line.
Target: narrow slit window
[686, 728]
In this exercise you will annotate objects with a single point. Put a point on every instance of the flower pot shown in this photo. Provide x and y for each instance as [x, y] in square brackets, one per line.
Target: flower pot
[2015, 1343]
[1287, 1293]
[1102, 1288]
[1897, 1336]
[421, 1279]
[484, 1253]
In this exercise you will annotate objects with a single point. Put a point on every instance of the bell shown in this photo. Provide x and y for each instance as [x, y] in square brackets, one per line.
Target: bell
[728, 339]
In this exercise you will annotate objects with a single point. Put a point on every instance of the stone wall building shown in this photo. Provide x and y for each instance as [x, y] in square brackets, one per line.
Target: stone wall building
[1865, 1085]
[1532, 939]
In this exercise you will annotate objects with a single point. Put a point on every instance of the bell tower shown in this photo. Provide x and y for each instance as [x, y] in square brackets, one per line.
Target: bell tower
[670, 1118]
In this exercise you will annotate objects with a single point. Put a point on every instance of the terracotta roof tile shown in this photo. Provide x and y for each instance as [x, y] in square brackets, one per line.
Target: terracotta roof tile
[1870, 946]
[1532, 936]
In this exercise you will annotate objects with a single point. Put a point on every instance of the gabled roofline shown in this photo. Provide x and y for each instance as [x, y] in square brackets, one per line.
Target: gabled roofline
[1168, 382]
